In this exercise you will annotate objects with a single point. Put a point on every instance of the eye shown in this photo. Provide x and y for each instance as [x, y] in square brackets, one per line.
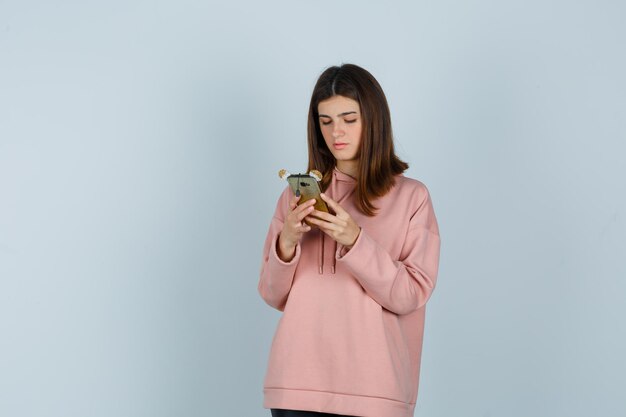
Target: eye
[351, 121]
[326, 123]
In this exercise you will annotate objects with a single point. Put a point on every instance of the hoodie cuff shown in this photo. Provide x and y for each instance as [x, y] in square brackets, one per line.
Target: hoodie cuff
[343, 251]
[274, 254]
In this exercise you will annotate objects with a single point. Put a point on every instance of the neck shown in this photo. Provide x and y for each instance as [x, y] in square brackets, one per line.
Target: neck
[348, 167]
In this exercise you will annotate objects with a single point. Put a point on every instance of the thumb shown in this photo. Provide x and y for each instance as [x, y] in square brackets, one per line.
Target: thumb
[333, 204]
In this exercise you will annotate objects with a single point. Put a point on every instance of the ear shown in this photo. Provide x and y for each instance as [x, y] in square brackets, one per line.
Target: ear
[283, 174]
[316, 174]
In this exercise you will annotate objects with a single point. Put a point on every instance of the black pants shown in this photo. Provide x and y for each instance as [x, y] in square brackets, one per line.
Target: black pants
[278, 412]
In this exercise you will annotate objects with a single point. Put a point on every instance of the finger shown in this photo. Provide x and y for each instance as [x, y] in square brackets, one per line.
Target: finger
[302, 228]
[326, 226]
[304, 212]
[332, 219]
[333, 204]
[305, 205]
[293, 202]
[324, 216]
[313, 221]
[327, 231]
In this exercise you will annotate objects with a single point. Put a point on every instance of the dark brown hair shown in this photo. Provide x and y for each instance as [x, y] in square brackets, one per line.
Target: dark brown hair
[378, 163]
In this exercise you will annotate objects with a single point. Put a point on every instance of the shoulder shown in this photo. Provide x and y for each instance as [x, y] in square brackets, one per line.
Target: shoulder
[418, 203]
[286, 193]
[285, 196]
[415, 189]
[282, 203]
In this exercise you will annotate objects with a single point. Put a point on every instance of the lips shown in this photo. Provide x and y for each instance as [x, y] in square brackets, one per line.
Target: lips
[339, 145]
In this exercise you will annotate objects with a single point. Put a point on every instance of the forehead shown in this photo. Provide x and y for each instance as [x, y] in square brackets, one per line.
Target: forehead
[337, 104]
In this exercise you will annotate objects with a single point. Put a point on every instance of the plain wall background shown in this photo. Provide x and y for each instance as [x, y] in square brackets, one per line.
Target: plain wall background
[139, 148]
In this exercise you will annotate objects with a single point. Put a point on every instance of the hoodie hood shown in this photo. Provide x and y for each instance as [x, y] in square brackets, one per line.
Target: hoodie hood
[341, 187]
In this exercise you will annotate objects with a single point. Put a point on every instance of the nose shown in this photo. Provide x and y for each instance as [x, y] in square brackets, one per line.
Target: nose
[336, 131]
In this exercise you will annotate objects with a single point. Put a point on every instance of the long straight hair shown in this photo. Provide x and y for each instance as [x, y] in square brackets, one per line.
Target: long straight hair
[378, 163]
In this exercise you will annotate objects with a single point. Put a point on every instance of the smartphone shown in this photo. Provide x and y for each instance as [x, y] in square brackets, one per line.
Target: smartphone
[308, 188]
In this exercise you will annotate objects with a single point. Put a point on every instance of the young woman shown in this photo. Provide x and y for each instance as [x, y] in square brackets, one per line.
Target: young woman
[353, 284]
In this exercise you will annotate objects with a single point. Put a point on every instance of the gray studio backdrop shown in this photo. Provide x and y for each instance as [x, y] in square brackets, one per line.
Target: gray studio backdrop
[139, 148]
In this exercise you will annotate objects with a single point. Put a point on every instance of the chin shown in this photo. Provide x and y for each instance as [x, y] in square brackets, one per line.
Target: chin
[352, 158]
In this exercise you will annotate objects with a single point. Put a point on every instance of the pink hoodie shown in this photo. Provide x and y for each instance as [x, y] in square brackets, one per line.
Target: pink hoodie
[349, 340]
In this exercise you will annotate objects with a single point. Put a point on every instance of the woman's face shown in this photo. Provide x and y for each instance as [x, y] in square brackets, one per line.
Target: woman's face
[340, 123]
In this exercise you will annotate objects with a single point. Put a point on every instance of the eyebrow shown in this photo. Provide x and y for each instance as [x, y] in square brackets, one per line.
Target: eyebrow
[339, 115]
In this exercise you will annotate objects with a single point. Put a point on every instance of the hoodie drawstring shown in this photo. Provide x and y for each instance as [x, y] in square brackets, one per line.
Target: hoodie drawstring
[320, 257]
[320, 252]
[332, 267]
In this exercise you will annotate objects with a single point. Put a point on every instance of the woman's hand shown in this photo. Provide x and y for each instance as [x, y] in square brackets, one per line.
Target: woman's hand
[341, 226]
[293, 229]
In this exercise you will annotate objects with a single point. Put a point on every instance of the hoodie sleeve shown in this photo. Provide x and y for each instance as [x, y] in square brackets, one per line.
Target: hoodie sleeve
[403, 285]
[276, 275]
